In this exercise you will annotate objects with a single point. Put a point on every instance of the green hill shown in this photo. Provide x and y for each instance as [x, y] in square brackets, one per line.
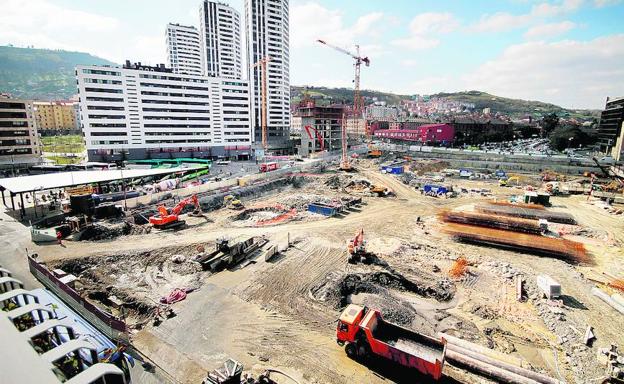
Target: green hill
[337, 95]
[513, 107]
[41, 73]
[497, 104]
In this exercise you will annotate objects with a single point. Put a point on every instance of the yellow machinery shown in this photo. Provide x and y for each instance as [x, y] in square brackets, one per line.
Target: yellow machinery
[232, 202]
[508, 182]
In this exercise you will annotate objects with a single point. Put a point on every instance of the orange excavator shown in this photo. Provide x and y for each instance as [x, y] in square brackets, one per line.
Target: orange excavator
[318, 136]
[169, 219]
[357, 248]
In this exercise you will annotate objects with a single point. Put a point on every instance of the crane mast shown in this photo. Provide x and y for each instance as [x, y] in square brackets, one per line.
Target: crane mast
[263, 92]
[358, 104]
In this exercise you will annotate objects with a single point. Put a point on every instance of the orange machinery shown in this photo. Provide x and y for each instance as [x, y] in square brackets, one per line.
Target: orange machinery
[318, 136]
[169, 219]
[357, 247]
[365, 334]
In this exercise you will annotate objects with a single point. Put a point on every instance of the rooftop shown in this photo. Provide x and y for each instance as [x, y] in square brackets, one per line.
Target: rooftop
[68, 179]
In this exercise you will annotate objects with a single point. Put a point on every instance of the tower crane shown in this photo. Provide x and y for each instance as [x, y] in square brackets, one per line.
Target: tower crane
[358, 104]
[263, 92]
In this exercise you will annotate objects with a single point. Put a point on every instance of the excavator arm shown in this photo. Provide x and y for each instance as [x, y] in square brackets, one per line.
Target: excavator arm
[180, 206]
[318, 136]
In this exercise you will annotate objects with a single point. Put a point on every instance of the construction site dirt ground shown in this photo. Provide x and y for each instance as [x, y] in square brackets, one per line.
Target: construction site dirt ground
[282, 313]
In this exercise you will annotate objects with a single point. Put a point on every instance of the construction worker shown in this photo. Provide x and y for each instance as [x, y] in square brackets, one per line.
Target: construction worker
[59, 237]
[10, 306]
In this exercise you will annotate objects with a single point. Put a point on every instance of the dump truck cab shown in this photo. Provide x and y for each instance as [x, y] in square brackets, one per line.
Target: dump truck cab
[349, 323]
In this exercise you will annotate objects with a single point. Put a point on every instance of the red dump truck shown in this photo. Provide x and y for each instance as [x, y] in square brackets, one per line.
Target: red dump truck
[365, 333]
[267, 167]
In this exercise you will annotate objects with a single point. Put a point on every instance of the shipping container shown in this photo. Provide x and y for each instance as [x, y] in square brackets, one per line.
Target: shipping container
[322, 209]
[267, 167]
[437, 189]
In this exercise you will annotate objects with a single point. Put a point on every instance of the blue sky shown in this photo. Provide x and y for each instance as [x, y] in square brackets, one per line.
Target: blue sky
[568, 52]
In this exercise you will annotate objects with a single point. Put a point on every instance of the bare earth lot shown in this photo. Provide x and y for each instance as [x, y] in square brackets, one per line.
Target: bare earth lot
[282, 313]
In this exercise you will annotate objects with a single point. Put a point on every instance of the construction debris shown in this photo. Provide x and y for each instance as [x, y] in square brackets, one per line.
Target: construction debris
[607, 299]
[541, 245]
[550, 288]
[527, 213]
[492, 221]
[459, 267]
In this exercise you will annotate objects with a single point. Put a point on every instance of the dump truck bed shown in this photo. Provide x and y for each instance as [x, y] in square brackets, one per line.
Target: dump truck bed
[409, 342]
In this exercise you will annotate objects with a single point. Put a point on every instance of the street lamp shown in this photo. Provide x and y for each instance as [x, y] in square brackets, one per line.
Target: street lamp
[12, 151]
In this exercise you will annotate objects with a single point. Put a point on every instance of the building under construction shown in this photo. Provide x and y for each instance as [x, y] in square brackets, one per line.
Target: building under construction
[320, 128]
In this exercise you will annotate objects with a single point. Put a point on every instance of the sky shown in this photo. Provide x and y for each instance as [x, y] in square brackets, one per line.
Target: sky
[567, 52]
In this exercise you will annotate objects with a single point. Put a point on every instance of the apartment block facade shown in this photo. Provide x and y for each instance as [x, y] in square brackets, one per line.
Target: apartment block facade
[19, 139]
[267, 31]
[184, 53]
[221, 48]
[611, 119]
[55, 115]
[139, 112]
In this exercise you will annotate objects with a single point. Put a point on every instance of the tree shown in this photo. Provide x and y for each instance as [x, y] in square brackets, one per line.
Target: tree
[549, 123]
[569, 136]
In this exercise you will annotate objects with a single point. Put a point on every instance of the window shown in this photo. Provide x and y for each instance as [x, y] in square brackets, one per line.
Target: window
[101, 72]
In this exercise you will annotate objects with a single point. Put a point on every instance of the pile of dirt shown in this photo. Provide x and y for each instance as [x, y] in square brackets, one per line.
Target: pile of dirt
[338, 181]
[421, 167]
[136, 279]
[300, 201]
[251, 217]
[98, 232]
[338, 287]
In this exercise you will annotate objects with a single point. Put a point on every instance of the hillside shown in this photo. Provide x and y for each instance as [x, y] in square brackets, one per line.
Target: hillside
[336, 95]
[41, 73]
[49, 74]
[507, 106]
[513, 107]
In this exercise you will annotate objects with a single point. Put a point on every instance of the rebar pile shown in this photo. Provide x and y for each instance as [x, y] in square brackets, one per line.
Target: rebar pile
[519, 205]
[562, 248]
[493, 221]
[535, 214]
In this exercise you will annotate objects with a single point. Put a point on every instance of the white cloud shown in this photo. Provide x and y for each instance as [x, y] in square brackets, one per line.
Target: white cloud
[416, 43]
[431, 22]
[606, 3]
[43, 24]
[422, 29]
[312, 21]
[500, 22]
[548, 10]
[568, 73]
[549, 30]
[504, 21]
[409, 63]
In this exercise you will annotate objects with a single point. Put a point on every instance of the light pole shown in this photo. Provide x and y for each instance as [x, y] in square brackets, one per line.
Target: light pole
[12, 151]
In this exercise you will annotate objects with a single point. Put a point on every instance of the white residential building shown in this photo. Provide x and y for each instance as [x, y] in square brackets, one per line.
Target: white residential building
[267, 30]
[184, 49]
[220, 30]
[381, 112]
[139, 112]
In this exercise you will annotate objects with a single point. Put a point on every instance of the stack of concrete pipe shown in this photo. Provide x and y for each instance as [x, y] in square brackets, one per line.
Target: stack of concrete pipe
[488, 363]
